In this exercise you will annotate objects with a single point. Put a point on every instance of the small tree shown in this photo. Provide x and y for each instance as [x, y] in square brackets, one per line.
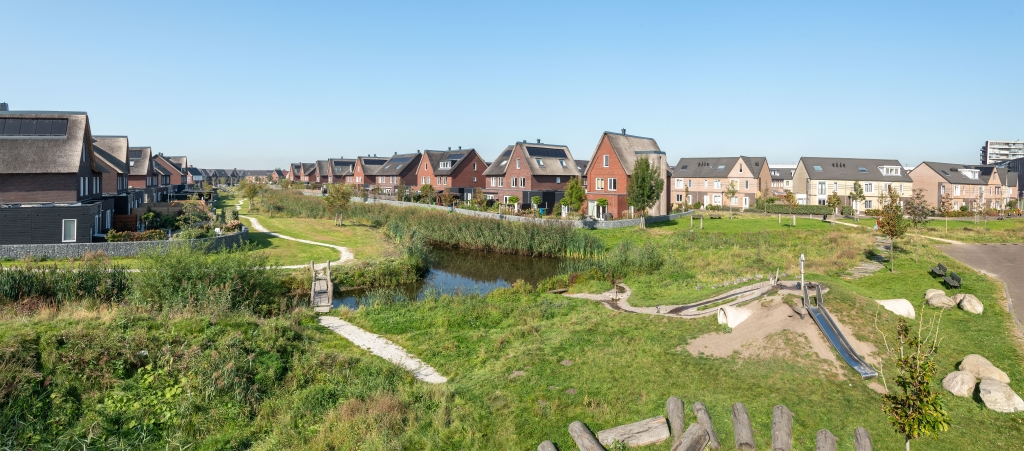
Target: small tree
[535, 200]
[686, 198]
[790, 200]
[857, 196]
[448, 199]
[730, 193]
[914, 409]
[917, 211]
[337, 198]
[479, 199]
[892, 224]
[514, 202]
[645, 186]
[402, 192]
[427, 193]
[575, 196]
[834, 202]
[602, 204]
[945, 207]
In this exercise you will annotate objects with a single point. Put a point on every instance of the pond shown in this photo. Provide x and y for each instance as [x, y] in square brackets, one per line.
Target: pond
[466, 271]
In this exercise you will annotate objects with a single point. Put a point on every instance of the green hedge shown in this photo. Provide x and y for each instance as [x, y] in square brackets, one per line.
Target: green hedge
[801, 209]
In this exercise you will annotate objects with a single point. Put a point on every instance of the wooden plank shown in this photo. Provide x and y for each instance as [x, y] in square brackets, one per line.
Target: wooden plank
[676, 415]
[741, 428]
[641, 433]
[695, 438]
[782, 429]
[704, 420]
[825, 441]
[862, 440]
[584, 438]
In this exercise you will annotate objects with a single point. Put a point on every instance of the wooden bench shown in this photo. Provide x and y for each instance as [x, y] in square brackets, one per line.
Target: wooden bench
[940, 270]
[953, 280]
[716, 216]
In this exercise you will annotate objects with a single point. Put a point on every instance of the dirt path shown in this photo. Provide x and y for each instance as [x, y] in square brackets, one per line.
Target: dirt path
[383, 348]
[344, 253]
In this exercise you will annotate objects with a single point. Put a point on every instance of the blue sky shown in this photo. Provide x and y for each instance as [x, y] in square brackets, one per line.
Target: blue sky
[261, 84]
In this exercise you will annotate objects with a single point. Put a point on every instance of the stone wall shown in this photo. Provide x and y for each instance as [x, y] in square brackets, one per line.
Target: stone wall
[121, 249]
[580, 224]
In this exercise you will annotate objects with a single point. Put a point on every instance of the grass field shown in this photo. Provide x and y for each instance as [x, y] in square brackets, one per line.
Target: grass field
[366, 243]
[965, 230]
[287, 252]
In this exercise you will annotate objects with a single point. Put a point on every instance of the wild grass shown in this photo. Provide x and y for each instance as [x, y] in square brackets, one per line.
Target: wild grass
[50, 284]
[288, 252]
[366, 243]
[289, 203]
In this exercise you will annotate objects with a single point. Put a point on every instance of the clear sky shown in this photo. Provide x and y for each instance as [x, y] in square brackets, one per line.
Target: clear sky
[258, 85]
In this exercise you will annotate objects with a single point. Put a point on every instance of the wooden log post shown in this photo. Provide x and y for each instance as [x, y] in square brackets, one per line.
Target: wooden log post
[641, 433]
[584, 438]
[695, 438]
[676, 416]
[546, 445]
[782, 429]
[825, 441]
[704, 420]
[862, 440]
[741, 428]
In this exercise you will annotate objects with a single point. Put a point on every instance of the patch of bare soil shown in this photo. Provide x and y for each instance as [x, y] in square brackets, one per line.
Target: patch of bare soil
[775, 331]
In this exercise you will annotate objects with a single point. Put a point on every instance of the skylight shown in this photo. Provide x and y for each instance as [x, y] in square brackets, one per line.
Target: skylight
[863, 169]
[720, 167]
[562, 162]
[539, 162]
[683, 167]
[817, 168]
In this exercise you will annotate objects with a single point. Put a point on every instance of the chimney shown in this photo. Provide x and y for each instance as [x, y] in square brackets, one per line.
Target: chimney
[4, 107]
[449, 147]
[623, 131]
[460, 147]
[538, 140]
[396, 153]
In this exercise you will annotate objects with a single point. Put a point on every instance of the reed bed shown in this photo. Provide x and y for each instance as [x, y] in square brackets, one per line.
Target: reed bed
[47, 283]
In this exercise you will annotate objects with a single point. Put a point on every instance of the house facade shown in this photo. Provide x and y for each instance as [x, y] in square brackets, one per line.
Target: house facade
[525, 170]
[610, 168]
[341, 170]
[973, 186]
[706, 180]
[459, 172]
[815, 178]
[782, 178]
[400, 169]
[365, 168]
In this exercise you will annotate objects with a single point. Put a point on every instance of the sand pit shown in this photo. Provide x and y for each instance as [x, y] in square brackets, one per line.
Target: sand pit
[751, 338]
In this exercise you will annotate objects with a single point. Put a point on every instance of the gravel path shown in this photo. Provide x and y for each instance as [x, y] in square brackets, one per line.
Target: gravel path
[383, 348]
[345, 254]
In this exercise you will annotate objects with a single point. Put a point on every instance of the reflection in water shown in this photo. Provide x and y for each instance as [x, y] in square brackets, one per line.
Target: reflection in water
[463, 271]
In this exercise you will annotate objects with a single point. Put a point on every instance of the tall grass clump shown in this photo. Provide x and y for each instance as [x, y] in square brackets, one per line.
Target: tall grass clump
[478, 233]
[625, 259]
[289, 203]
[410, 267]
[96, 279]
[188, 277]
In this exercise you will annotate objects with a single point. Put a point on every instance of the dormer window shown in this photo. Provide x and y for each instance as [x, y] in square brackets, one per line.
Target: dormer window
[446, 165]
[891, 170]
[970, 173]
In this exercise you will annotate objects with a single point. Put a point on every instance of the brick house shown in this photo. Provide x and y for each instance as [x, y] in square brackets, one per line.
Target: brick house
[304, 172]
[609, 170]
[782, 178]
[174, 172]
[364, 170]
[142, 174]
[706, 180]
[50, 179]
[459, 172]
[525, 170]
[815, 178]
[973, 186]
[112, 153]
[400, 169]
[341, 170]
[194, 176]
[277, 175]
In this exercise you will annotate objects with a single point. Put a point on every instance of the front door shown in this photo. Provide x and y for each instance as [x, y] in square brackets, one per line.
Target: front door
[592, 208]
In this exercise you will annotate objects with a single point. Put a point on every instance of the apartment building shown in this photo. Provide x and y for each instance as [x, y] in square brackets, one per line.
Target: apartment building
[995, 152]
[816, 178]
[706, 180]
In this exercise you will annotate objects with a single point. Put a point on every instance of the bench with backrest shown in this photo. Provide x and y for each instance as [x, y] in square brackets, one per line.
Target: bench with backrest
[940, 270]
[953, 280]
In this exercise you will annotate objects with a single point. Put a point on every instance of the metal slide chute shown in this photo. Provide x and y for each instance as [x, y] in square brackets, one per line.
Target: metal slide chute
[828, 327]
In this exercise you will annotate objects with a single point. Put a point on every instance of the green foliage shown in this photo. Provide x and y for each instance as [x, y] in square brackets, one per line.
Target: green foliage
[803, 209]
[917, 208]
[338, 198]
[427, 194]
[513, 200]
[95, 278]
[858, 192]
[834, 201]
[623, 260]
[535, 200]
[790, 200]
[916, 409]
[645, 186]
[291, 203]
[730, 193]
[140, 411]
[892, 224]
[114, 236]
[575, 196]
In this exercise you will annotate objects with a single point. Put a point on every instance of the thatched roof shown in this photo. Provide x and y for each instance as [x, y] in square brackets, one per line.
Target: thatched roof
[140, 160]
[57, 151]
[113, 151]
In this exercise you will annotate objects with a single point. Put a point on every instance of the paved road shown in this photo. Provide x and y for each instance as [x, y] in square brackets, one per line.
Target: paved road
[1005, 261]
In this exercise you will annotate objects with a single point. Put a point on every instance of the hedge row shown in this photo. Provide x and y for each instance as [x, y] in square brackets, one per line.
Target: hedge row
[801, 209]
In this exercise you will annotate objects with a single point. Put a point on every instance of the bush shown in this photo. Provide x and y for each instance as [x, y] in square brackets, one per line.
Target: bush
[803, 209]
[93, 278]
[233, 226]
[114, 236]
[291, 203]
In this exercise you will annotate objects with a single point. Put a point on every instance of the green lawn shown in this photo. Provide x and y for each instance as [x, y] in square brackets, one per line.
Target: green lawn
[965, 230]
[288, 252]
[366, 243]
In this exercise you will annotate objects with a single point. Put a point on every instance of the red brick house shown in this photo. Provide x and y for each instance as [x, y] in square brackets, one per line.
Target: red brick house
[459, 172]
[174, 172]
[610, 168]
[341, 170]
[143, 174]
[525, 170]
[400, 169]
[365, 168]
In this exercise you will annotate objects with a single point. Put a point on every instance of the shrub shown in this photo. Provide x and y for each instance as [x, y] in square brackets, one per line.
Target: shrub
[233, 226]
[804, 209]
[114, 236]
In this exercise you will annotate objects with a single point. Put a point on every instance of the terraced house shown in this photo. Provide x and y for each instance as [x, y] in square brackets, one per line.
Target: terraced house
[815, 178]
[525, 170]
[341, 170]
[362, 174]
[143, 175]
[706, 180]
[458, 172]
[610, 168]
[972, 186]
[50, 179]
[400, 169]
[112, 153]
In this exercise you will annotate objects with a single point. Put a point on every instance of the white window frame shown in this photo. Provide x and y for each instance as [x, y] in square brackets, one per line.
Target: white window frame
[679, 197]
[539, 162]
[558, 180]
[746, 183]
[716, 199]
[606, 159]
[64, 230]
[822, 188]
[613, 184]
[718, 184]
[517, 163]
[869, 188]
[599, 184]
[735, 201]
[679, 183]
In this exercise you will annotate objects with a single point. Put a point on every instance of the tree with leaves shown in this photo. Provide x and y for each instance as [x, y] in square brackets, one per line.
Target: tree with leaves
[790, 200]
[479, 200]
[602, 205]
[514, 202]
[857, 196]
[645, 187]
[834, 202]
[917, 211]
[401, 192]
[337, 198]
[914, 408]
[730, 193]
[945, 206]
[575, 196]
[427, 194]
[448, 199]
[892, 224]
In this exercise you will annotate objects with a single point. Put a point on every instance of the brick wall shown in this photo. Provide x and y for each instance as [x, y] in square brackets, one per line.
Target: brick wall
[38, 188]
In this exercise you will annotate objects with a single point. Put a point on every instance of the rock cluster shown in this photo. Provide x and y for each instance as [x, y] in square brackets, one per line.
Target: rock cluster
[993, 390]
[969, 303]
[966, 302]
[938, 298]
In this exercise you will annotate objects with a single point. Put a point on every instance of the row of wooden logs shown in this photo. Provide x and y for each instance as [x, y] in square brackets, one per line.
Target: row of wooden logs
[701, 435]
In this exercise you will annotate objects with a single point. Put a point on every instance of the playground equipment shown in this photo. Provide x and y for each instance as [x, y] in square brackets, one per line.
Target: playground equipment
[823, 319]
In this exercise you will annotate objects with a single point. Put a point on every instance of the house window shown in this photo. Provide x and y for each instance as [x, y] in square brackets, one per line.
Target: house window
[558, 180]
[606, 161]
[679, 197]
[474, 166]
[867, 204]
[705, 184]
[679, 183]
[515, 182]
[787, 182]
[689, 183]
[517, 163]
[746, 184]
[562, 162]
[942, 190]
[746, 202]
[869, 188]
[835, 186]
[716, 199]
[735, 201]
[474, 179]
[424, 165]
[689, 199]
[69, 230]
[599, 184]
[718, 184]
[890, 170]
[522, 181]
[821, 188]
[445, 165]
[539, 162]
[613, 184]
[741, 168]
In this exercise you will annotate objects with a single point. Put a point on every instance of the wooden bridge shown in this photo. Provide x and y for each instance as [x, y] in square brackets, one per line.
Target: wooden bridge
[321, 295]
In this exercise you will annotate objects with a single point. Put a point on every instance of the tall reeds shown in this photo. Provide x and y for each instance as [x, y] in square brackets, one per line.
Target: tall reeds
[96, 279]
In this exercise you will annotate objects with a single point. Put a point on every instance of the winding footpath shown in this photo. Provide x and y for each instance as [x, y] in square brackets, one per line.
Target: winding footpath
[345, 255]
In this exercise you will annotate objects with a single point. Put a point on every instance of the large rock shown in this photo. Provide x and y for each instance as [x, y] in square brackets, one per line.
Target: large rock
[960, 383]
[969, 303]
[941, 301]
[981, 368]
[901, 307]
[932, 292]
[999, 396]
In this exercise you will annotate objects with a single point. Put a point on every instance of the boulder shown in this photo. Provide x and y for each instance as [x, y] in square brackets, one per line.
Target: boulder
[999, 396]
[960, 383]
[932, 292]
[901, 307]
[981, 368]
[957, 297]
[941, 301]
[969, 303]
